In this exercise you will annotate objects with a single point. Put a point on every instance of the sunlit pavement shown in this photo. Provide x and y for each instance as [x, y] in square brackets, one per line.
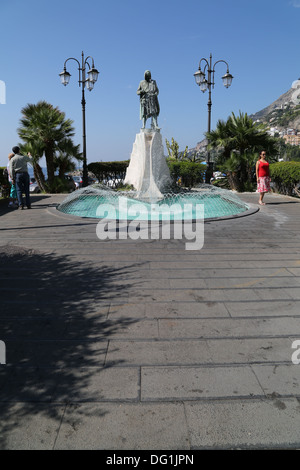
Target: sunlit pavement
[123, 344]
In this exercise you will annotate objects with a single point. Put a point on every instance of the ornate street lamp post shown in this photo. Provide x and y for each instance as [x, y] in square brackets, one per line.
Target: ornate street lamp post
[89, 81]
[205, 80]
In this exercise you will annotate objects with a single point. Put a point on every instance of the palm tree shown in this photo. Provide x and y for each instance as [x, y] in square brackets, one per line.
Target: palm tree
[194, 158]
[36, 153]
[63, 157]
[241, 133]
[44, 126]
[250, 136]
[239, 170]
[221, 138]
[239, 139]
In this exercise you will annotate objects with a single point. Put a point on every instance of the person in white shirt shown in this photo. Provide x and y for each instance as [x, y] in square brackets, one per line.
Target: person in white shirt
[19, 174]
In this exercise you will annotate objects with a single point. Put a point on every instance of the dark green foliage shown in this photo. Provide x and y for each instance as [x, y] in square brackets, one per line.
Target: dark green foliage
[4, 183]
[286, 176]
[292, 152]
[190, 173]
[58, 185]
[222, 183]
[3, 178]
[105, 171]
[45, 130]
[241, 135]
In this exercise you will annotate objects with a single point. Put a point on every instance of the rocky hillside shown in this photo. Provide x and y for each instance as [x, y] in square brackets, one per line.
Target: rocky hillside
[284, 112]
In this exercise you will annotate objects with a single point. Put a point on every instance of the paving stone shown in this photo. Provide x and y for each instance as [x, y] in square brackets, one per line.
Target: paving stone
[183, 309]
[279, 380]
[29, 426]
[228, 327]
[123, 426]
[157, 352]
[244, 424]
[96, 385]
[190, 383]
[27, 384]
[123, 344]
[248, 351]
[55, 353]
[271, 308]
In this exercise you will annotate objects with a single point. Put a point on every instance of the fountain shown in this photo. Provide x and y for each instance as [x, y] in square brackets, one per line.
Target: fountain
[148, 171]
[152, 197]
[123, 205]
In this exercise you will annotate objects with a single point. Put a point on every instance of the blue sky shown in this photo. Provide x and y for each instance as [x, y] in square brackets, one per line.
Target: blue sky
[258, 38]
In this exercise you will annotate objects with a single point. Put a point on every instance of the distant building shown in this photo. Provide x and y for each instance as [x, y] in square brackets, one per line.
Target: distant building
[275, 131]
[292, 139]
[291, 131]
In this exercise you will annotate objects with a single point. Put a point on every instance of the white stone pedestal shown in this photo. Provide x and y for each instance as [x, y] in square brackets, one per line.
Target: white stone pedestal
[148, 171]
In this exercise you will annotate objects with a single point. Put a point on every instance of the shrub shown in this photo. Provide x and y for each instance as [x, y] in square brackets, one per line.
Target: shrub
[57, 186]
[190, 173]
[286, 176]
[4, 183]
[222, 183]
[109, 170]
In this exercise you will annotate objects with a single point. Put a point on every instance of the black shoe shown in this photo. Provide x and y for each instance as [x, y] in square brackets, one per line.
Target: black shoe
[28, 207]
[21, 207]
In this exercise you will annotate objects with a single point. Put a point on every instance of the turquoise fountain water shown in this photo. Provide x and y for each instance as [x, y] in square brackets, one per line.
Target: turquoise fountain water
[99, 201]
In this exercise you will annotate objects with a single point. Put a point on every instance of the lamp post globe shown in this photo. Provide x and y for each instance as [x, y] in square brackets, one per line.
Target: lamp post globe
[199, 77]
[93, 75]
[65, 77]
[89, 84]
[227, 79]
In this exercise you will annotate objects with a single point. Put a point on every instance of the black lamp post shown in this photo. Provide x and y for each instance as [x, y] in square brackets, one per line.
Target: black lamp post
[205, 80]
[92, 76]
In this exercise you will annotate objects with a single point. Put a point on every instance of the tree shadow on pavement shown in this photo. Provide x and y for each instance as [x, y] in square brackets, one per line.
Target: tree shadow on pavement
[54, 323]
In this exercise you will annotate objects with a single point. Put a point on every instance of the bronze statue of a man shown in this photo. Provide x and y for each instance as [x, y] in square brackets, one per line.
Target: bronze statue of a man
[149, 106]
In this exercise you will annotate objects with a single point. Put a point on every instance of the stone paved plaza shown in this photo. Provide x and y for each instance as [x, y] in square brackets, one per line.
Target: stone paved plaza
[128, 345]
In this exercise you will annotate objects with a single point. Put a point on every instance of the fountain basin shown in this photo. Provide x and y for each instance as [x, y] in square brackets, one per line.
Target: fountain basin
[98, 201]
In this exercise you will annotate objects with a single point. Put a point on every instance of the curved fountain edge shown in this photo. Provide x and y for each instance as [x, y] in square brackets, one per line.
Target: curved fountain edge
[133, 194]
[250, 211]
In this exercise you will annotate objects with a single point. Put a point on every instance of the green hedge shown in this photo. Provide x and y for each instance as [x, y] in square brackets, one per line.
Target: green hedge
[286, 176]
[3, 179]
[109, 170]
[4, 183]
[190, 173]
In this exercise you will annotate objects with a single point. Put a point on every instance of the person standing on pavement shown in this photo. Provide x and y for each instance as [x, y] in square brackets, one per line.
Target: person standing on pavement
[20, 176]
[262, 177]
[13, 192]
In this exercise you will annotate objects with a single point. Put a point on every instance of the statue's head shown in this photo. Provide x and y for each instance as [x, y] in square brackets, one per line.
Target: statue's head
[147, 75]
